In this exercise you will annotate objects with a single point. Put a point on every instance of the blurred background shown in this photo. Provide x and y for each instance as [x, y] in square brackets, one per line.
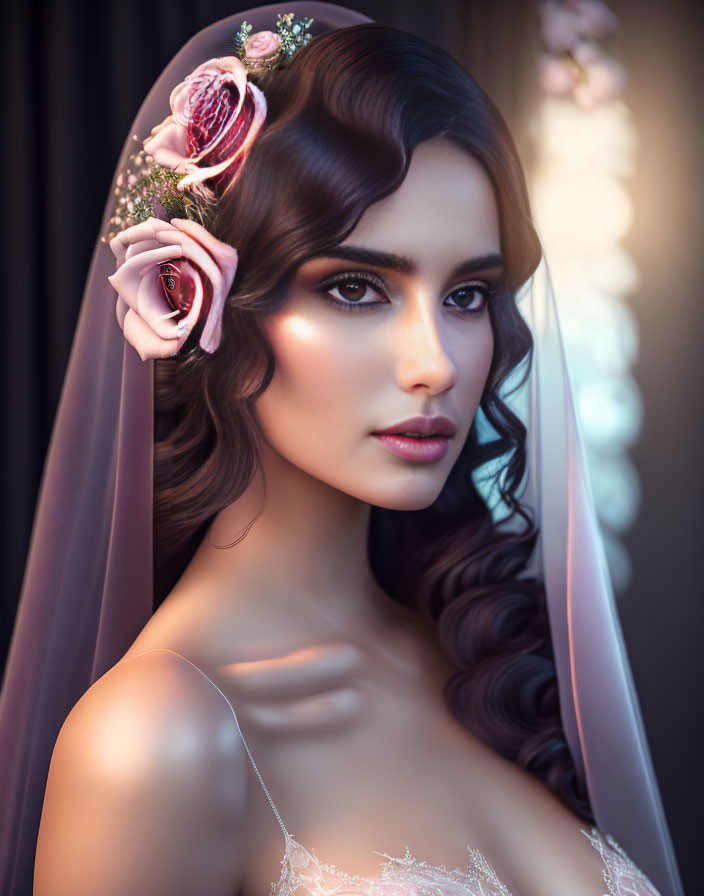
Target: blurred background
[610, 128]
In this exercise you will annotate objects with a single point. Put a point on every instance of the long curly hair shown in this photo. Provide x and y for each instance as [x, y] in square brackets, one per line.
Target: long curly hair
[342, 124]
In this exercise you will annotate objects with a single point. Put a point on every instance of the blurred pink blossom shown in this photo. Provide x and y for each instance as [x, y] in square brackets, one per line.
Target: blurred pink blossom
[595, 19]
[604, 81]
[555, 75]
[585, 52]
[560, 27]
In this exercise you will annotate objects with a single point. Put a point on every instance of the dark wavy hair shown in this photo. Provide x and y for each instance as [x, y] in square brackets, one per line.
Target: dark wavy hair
[342, 125]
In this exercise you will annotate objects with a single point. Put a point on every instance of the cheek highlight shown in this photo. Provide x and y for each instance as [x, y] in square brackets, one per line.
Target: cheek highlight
[311, 382]
[297, 328]
[308, 350]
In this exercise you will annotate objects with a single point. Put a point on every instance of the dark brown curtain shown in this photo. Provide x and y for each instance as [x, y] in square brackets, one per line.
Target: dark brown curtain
[74, 74]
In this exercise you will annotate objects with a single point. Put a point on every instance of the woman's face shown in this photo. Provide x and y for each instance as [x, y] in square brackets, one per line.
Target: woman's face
[392, 325]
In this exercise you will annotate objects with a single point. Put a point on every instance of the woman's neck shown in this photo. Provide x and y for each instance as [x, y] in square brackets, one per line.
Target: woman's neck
[304, 542]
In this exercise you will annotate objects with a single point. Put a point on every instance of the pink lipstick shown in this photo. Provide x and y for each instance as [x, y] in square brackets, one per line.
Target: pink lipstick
[420, 439]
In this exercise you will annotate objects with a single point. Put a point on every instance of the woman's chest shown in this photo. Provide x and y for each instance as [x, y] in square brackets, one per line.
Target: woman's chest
[361, 755]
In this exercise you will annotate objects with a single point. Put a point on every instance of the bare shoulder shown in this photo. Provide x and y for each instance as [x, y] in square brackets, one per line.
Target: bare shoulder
[540, 839]
[146, 788]
[149, 701]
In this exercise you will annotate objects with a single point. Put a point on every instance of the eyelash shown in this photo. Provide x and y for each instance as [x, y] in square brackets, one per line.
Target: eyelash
[366, 277]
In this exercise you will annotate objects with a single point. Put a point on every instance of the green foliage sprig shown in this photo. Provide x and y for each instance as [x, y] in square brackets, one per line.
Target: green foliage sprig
[148, 190]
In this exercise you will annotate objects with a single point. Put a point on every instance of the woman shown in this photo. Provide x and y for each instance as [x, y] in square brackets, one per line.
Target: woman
[327, 563]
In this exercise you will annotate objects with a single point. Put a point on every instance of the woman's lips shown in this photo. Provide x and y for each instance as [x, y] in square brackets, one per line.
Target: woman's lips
[425, 450]
[436, 433]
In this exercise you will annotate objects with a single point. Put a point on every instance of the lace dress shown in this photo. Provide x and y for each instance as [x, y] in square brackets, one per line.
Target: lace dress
[303, 874]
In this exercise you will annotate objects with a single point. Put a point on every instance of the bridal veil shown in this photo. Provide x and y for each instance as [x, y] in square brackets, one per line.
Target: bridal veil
[88, 585]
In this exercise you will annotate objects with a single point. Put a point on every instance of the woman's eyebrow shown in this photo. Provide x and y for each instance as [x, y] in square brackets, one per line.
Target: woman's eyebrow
[490, 262]
[404, 265]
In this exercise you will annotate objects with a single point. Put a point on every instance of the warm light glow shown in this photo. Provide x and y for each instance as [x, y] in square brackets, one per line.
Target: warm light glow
[601, 139]
[583, 211]
[300, 328]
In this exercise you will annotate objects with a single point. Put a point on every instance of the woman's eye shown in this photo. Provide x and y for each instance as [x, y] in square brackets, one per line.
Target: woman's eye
[471, 298]
[356, 292]
[353, 291]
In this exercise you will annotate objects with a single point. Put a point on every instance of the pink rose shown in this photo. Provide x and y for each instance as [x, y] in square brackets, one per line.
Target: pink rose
[216, 115]
[171, 280]
[262, 49]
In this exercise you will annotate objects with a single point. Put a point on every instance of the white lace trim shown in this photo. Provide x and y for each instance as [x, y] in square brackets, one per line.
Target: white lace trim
[621, 876]
[303, 874]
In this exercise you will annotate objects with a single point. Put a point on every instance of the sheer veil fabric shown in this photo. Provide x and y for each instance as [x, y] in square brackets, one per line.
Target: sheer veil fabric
[88, 585]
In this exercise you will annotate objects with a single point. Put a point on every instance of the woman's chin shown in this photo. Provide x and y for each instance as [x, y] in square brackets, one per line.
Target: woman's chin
[407, 499]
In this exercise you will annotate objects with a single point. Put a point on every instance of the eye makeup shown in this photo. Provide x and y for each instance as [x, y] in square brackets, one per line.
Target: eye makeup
[347, 277]
[369, 279]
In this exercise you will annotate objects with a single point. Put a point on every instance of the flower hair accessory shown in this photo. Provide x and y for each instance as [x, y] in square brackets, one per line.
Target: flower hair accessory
[172, 280]
[167, 195]
[269, 50]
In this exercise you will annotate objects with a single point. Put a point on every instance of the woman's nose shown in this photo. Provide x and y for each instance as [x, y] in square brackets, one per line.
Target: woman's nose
[423, 356]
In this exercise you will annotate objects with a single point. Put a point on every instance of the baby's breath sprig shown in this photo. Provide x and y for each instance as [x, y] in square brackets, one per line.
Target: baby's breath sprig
[145, 188]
